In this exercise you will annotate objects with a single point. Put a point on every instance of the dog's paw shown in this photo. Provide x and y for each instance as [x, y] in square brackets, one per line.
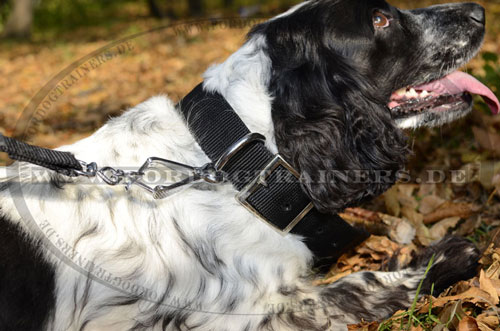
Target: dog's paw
[455, 259]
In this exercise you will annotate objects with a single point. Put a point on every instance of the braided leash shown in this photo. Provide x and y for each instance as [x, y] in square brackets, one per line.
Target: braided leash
[61, 162]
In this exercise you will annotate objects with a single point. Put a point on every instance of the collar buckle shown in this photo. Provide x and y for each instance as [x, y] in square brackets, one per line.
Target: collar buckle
[274, 177]
[277, 174]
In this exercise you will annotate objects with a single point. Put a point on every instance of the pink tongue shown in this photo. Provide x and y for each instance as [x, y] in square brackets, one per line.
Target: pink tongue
[459, 82]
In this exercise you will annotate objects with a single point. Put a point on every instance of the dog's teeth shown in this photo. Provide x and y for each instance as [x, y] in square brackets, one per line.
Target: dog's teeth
[424, 94]
[412, 93]
[401, 91]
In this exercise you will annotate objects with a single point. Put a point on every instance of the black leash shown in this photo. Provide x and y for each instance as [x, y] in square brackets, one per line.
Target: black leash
[269, 187]
[62, 162]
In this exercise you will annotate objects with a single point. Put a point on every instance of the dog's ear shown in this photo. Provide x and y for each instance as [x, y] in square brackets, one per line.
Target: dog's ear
[330, 126]
[330, 120]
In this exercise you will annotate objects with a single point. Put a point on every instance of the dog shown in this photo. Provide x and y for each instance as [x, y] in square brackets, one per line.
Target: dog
[331, 84]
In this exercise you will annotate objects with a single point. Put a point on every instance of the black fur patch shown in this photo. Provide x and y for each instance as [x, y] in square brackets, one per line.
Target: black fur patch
[27, 282]
[455, 259]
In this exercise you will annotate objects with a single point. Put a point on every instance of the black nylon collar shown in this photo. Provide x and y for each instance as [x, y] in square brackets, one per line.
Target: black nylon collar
[216, 127]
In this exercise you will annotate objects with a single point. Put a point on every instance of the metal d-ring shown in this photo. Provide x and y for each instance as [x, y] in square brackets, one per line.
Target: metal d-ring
[236, 147]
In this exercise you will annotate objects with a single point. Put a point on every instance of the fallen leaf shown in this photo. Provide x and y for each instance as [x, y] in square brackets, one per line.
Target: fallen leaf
[407, 189]
[411, 214]
[364, 326]
[381, 244]
[493, 270]
[468, 226]
[450, 209]
[468, 324]
[486, 285]
[364, 213]
[450, 316]
[426, 189]
[373, 222]
[429, 204]
[473, 295]
[440, 229]
[424, 235]
[391, 201]
[405, 254]
[352, 218]
[488, 321]
[408, 201]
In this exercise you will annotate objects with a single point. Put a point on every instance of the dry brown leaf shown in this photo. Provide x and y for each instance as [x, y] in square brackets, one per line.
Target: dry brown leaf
[487, 259]
[388, 219]
[489, 320]
[350, 262]
[371, 221]
[424, 235]
[473, 295]
[426, 189]
[468, 226]
[407, 189]
[381, 244]
[493, 272]
[391, 201]
[411, 214]
[486, 285]
[364, 213]
[364, 326]
[491, 258]
[351, 218]
[440, 229]
[495, 239]
[484, 327]
[429, 204]
[450, 209]
[450, 316]
[468, 324]
[405, 254]
[496, 285]
[407, 201]
[367, 256]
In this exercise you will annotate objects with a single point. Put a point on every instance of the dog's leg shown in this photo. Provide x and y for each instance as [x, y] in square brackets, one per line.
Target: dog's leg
[374, 296]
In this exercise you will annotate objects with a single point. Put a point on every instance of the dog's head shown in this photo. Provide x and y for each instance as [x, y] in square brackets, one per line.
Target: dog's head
[347, 75]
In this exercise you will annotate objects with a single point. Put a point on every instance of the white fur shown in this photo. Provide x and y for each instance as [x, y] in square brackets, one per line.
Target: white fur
[135, 223]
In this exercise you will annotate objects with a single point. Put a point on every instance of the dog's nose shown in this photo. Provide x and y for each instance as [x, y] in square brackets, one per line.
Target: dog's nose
[477, 14]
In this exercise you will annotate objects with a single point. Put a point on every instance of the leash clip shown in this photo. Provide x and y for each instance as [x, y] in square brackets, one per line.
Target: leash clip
[190, 175]
[88, 169]
[181, 175]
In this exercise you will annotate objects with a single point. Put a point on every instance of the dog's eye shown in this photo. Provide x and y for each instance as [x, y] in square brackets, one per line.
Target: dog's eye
[380, 20]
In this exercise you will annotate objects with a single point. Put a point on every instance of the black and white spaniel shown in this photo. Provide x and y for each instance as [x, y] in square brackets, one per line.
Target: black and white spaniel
[330, 84]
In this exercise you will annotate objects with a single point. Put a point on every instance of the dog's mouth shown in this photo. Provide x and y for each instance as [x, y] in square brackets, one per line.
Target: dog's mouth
[439, 101]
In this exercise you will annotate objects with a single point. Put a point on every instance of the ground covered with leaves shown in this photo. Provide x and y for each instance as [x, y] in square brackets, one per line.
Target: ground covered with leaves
[455, 176]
